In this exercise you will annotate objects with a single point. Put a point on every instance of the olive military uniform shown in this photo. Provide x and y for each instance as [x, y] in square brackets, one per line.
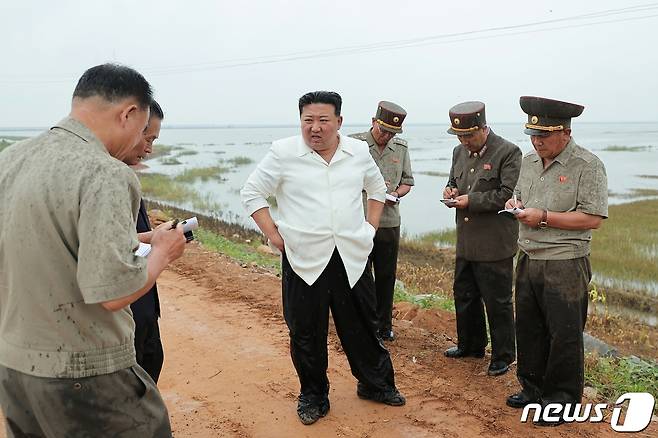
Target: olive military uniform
[395, 165]
[486, 240]
[67, 237]
[553, 269]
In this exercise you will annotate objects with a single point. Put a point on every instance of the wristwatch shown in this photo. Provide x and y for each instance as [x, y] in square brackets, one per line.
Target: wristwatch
[544, 220]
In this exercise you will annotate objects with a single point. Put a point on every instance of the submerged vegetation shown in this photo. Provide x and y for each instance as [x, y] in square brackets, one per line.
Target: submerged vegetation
[201, 173]
[434, 173]
[625, 248]
[618, 148]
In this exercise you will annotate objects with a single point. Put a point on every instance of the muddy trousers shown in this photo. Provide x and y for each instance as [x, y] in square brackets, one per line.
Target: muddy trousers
[479, 286]
[148, 347]
[551, 311]
[306, 311]
[125, 403]
[384, 261]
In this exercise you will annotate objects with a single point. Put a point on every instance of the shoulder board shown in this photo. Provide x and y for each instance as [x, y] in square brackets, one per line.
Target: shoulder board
[359, 135]
[400, 141]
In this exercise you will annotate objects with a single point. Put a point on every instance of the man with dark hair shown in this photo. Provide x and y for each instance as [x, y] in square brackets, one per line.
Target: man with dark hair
[484, 171]
[392, 157]
[563, 194]
[67, 232]
[325, 240]
[146, 310]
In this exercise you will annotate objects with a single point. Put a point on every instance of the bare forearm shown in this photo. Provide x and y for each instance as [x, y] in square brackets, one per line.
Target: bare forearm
[403, 190]
[573, 220]
[265, 222]
[375, 209]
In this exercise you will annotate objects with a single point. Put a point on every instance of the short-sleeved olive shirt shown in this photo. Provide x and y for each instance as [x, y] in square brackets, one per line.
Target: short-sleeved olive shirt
[574, 181]
[395, 165]
[67, 237]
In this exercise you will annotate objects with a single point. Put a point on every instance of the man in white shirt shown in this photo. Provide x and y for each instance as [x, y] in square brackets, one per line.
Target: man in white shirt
[317, 179]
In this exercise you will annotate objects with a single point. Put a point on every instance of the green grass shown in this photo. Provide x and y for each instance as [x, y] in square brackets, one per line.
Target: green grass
[162, 187]
[612, 377]
[445, 237]
[202, 173]
[242, 252]
[434, 173]
[618, 148]
[424, 301]
[625, 248]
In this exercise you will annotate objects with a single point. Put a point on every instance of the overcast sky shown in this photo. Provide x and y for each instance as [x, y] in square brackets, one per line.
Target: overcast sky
[183, 48]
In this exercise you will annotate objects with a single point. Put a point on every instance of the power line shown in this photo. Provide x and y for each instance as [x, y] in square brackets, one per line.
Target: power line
[493, 32]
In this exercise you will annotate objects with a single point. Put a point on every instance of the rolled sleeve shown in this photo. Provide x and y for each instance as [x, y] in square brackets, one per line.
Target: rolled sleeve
[373, 182]
[262, 183]
[107, 266]
[407, 175]
[592, 195]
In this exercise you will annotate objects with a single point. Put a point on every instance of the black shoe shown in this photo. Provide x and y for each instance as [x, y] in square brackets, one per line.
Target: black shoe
[519, 400]
[309, 413]
[497, 368]
[391, 397]
[387, 335]
[455, 352]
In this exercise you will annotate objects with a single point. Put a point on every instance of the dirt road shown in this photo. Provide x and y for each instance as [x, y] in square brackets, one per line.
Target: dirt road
[228, 372]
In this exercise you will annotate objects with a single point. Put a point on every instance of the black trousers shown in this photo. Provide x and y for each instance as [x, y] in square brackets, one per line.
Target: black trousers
[491, 283]
[384, 260]
[148, 347]
[306, 311]
[551, 311]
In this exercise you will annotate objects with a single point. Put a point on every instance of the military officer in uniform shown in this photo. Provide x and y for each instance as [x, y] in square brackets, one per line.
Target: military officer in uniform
[392, 157]
[484, 172]
[563, 192]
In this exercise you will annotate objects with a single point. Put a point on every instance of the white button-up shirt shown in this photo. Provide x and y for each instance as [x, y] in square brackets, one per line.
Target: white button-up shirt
[320, 204]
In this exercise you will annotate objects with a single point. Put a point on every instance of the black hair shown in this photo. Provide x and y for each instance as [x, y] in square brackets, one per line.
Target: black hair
[114, 82]
[156, 110]
[328, 97]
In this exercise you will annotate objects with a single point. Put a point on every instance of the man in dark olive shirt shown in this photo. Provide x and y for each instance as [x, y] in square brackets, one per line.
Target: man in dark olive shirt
[485, 169]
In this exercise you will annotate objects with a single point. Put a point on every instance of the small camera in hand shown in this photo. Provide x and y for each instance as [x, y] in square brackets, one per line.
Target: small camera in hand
[188, 226]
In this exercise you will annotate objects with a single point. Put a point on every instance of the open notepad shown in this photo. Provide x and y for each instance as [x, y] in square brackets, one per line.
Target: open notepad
[513, 211]
[143, 250]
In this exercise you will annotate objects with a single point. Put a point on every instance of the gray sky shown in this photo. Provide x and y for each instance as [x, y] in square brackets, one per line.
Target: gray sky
[610, 68]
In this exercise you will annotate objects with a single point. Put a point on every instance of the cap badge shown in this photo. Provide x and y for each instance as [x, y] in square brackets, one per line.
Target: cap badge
[457, 122]
[534, 120]
[396, 119]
